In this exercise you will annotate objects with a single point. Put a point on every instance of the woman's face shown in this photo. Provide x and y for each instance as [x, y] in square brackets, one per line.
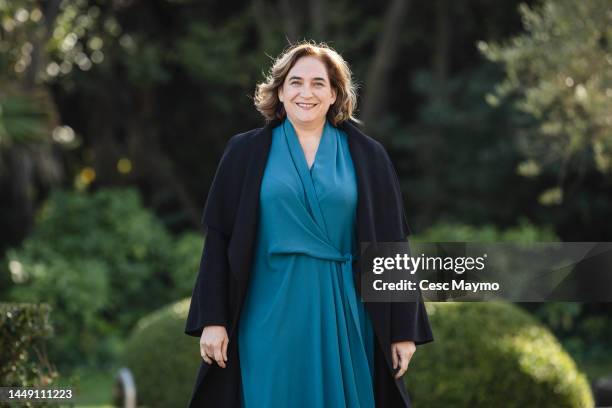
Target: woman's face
[306, 93]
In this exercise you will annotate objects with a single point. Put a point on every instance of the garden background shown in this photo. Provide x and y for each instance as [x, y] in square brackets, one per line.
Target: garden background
[114, 114]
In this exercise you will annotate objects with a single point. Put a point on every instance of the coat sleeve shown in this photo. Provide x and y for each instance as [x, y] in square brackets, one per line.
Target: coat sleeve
[223, 196]
[209, 299]
[409, 321]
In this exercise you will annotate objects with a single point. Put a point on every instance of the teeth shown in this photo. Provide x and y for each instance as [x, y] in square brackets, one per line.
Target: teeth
[306, 105]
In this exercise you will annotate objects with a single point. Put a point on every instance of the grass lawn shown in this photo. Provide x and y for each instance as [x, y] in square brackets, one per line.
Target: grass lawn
[92, 388]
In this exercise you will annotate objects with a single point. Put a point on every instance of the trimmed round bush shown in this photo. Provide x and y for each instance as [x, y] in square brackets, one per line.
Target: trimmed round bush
[493, 354]
[163, 360]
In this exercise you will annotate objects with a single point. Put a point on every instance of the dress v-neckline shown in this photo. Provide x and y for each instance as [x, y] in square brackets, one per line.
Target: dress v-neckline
[314, 160]
[316, 155]
[305, 174]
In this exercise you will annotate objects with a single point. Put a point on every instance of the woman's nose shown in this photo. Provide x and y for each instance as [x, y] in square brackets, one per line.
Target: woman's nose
[306, 91]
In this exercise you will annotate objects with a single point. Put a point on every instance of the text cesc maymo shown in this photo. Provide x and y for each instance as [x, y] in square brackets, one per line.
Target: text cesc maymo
[405, 284]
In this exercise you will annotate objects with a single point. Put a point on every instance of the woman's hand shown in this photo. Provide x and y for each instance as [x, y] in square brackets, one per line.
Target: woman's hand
[213, 345]
[401, 353]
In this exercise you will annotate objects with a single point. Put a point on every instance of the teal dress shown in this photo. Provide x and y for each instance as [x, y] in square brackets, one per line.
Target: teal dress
[304, 337]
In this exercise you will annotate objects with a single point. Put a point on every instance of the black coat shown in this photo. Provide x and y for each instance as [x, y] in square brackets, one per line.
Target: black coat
[230, 221]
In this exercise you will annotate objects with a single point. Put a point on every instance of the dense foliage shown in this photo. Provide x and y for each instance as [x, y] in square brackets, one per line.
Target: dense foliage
[561, 69]
[101, 261]
[147, 93]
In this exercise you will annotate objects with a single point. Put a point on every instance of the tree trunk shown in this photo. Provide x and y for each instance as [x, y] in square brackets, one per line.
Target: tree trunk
[432, 145]
[387, 48]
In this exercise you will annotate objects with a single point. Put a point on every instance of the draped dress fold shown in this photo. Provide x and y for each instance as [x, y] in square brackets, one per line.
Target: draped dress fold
[304, 337]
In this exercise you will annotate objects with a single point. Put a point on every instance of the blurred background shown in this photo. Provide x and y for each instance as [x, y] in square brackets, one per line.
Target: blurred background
[114, 114]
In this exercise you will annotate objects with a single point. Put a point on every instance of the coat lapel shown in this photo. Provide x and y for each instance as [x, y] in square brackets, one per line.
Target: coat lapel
[242, 243]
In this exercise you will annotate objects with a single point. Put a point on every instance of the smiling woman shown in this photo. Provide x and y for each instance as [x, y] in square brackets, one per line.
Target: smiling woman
[306, 96]
[276, 303]
[316, 72]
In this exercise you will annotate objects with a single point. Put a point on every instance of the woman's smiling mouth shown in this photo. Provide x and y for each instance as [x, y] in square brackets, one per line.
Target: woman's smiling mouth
[306, 106]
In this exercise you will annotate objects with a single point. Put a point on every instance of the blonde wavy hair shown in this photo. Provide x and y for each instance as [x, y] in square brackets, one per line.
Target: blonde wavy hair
[266, 94]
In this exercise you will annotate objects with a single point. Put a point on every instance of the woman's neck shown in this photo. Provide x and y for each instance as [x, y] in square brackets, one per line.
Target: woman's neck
[309, 130]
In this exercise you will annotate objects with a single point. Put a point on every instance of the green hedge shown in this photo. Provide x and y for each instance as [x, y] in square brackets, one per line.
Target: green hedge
[102, 261]
[493, 354]
[524, 231]
[23, 361]
[163, 360]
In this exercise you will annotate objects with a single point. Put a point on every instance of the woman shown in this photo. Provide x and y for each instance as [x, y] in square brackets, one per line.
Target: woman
[276, 303]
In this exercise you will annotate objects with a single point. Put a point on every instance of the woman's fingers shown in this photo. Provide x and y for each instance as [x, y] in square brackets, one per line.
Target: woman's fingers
[399, 365]
[214, 351]
[204, 354]
[225, 342]
[394, 356]
[219, 355]
[403, 366]
[213, 345]
[402, 354]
